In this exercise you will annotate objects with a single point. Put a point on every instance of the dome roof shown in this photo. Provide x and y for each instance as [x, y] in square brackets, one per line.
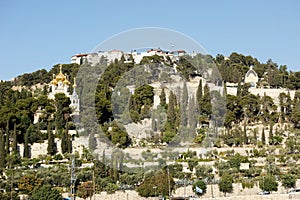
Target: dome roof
[54, 82]
[60, 77]
[67, 82]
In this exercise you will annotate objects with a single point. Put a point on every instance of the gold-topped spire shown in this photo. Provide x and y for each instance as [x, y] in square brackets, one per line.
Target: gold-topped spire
[60, 77]
[74, 85]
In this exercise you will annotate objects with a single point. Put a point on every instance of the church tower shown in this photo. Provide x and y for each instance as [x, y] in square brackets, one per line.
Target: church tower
[75, 99]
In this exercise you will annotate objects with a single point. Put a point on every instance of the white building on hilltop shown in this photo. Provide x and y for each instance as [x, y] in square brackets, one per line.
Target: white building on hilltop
[112, 55]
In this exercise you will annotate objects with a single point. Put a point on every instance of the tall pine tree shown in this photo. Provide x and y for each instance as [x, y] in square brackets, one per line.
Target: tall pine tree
[171, 115]
[52, 148]
[26, 153]
[199, 93]
[15, 142]
[183, 106]
[206, 106]
[2, 150]
[271, 135]
[64, 142]
[192, 113]
[162, 98]
[263, 137]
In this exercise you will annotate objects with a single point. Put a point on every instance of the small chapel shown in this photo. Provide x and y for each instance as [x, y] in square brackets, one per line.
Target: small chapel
[251, 77]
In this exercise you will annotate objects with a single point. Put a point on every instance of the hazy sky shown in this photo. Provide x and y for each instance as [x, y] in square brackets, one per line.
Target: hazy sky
[38, 34]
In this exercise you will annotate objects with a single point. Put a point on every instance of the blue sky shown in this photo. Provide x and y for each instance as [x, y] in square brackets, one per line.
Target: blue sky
[38, 34]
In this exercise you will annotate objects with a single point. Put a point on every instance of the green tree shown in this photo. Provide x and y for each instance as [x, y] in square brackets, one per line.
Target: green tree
[225, 184]
[45, 192]
[118, 135]
[295, 115]
[15, 141]
[200, 184]
[51, 148]
[162, 98]
[199, 93]
[263, 136]
[92, 142]
[171, 115]
[271, 135]
[192, 114]
[288, 180]
[192, 163]
[206, 106]
[285, 104]
[204, 172]
[183, 106]
[160, 180]
[85, 190]
[26, 153]
[63, 111]
[28, 182]
[268, 183]
[268, 110]
[2, 150]
[66, 143]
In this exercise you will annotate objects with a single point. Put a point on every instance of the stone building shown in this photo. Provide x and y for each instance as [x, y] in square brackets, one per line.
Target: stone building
[251, 77]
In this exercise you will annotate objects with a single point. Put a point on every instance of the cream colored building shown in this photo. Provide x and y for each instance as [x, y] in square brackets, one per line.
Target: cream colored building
[251, 77]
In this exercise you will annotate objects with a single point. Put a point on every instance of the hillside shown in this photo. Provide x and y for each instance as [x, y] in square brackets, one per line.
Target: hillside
[191, 120]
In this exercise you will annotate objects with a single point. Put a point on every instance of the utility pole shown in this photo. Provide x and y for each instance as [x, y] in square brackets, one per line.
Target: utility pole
[184, 191]
[73, 179]
[169, 182]
[154, 191]
[94, 184]
[212, 188]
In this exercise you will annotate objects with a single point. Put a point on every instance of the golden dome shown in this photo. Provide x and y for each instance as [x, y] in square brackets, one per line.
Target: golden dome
[60, 76]
[66, 82]
[54, 82]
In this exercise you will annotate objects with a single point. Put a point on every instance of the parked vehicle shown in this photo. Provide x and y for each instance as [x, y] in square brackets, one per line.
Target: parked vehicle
[263, 193]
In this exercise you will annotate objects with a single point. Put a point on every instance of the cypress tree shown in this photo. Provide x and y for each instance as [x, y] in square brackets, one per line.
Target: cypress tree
[199, 92]
[2, 150]
[26, 153]
[153, 123]
[70, 149]
[7, 142]
[225, 90]
[245, 134]
[15, 142]
[263, 137]
[271, 135]
[103, 157]
[192, 113]
[171, 115]
[64, 142]
[92, 142]
[52, 148]
[162, 98]
[183, 106]
[206, 106]
[255, 137]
